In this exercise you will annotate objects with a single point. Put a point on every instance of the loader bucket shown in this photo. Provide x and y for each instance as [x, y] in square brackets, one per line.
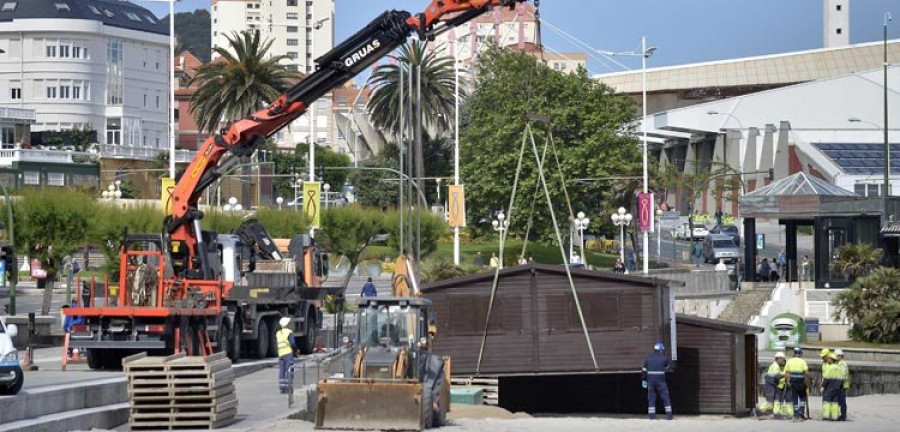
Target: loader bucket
[368, 404]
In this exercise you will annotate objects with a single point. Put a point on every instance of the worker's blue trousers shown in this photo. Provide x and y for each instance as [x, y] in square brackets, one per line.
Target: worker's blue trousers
[658, 386]
[285, 366]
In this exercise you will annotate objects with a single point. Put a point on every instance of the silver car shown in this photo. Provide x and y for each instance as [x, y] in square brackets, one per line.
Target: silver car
[720, 246]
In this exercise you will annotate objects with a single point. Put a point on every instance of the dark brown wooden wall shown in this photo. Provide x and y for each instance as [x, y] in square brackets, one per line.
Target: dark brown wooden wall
[535, 326]
[703, 380]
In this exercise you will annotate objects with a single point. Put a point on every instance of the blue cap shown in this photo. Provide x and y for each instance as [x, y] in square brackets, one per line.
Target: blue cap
[798, 350]
[659, 347]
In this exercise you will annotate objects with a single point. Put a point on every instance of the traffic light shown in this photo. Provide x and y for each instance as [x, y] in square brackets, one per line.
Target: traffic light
[321, 173]
[10, 264]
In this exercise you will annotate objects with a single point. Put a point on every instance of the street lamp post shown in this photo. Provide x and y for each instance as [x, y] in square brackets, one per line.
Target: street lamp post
[171, 85]
[500, 225]
[279, 201]
[887, 149]
[885, 190]
[298, 184]
[645, 53]
[621, 219]
[326, 187]
[581, 223]
[659, 214]
[113, 191]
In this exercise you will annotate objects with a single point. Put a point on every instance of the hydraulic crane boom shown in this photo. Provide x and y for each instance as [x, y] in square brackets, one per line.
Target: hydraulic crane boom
[243, 137]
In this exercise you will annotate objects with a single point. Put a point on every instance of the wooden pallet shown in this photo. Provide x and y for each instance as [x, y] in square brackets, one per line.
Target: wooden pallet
[180, 392]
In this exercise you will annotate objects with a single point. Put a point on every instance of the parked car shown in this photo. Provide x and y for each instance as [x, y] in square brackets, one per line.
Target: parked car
[720, 246]
[11, 377]
[729, 230]
[700, 232]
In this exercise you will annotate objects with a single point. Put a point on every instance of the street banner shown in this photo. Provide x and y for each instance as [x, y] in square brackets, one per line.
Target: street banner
[311, 203]
[167, 189]
[645, 212]
[456, 201]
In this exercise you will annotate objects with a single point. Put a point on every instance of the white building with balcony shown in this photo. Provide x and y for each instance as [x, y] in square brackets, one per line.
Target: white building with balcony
[100, 65]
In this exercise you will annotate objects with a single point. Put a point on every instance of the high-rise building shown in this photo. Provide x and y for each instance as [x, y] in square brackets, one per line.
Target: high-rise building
[303, 30]
[836, 23]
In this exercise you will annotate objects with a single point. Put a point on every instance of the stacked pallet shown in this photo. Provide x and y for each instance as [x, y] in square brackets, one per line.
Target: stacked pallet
[180, 392]
[489, 386]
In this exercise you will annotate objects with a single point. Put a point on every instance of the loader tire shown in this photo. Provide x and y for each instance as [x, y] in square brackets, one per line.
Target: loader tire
[427, 408]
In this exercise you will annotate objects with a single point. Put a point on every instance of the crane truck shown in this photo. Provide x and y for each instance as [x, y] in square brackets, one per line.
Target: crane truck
[185, 289]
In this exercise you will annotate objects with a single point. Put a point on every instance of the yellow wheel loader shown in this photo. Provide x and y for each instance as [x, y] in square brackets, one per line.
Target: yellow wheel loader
[391, 380]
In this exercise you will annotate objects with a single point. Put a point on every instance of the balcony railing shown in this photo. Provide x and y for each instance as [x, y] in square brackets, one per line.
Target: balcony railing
[7, 157]
[17, 114]
[142, 153]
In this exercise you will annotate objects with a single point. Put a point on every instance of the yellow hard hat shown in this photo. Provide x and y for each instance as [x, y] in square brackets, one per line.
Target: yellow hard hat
[832, 356]
[825, 352]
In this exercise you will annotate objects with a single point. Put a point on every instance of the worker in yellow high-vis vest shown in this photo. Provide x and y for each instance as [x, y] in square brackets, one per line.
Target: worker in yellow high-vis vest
[842, 399]
[287, 345]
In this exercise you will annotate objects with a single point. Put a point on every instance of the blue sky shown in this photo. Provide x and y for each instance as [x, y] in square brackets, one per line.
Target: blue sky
[684, 31]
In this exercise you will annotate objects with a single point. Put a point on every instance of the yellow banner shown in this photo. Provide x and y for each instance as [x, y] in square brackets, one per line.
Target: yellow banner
[311, 203]
[167, 188]
[456, 206]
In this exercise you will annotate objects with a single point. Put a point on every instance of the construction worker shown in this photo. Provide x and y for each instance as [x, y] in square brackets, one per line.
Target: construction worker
[773, 388]
[832, 383]
[287, 345]
[653, 376]
[797, 372]
[842, 398]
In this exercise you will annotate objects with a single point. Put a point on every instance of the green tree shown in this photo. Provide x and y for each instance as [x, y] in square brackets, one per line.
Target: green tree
[237, 85]
[591, 130]
[872, 304]
[856, 260]
[376, 188]
[50, 225]
[347, 231]
[193, 32]
[295, 162]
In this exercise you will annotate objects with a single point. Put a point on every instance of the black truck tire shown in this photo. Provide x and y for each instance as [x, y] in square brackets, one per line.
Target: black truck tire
[235, 344]
[16, 385]
[262, 339]
[95, 359]
[308, 342]
[273, 340]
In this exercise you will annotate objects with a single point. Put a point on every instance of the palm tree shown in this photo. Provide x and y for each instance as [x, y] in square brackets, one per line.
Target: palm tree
[438, 86]
[234, 86]
[872, 304]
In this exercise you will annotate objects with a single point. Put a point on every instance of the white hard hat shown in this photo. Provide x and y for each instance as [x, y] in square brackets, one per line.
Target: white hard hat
[284, 321]
[779, 355]
[839, 352]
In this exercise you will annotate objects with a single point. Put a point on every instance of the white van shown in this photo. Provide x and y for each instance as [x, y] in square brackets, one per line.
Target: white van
[11, 377]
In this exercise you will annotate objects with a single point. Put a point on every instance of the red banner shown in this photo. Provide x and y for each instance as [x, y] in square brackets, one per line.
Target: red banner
[645, 212]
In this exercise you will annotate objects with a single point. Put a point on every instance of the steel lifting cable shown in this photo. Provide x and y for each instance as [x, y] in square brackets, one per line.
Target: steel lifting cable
[562, 251]
[537, 186]
[512, 197]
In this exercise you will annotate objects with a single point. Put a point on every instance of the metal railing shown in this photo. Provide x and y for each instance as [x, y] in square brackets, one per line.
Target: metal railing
[7, 157]
[145, 153]
[17, 114]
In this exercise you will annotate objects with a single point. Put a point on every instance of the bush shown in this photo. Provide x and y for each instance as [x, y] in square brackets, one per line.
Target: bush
[872, 304]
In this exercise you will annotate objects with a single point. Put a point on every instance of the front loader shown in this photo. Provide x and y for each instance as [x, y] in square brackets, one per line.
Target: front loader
[391, 380]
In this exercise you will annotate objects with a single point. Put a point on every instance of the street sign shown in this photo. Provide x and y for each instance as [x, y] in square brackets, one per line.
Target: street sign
[812, 325]
[760, 241]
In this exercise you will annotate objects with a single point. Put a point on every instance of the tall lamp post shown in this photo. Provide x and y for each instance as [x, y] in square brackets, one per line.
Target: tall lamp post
[581, 224]
[500, 225]
[887, 149]
[171, 85]
[887, 159]
[645, 53]
[621, 219]
[659, 214]
[279, 201]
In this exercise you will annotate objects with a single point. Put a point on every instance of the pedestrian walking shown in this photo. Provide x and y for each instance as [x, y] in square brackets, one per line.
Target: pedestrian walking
[720, 266]
[629, 259]
[763, 271]
[805, 268]
[653, 376]
[832, 383]
[478, 261]
[797, 372]
[773, 388]
[781, 260]
[773, 271]
[845, 370]
[287, 345]
[698, 254]
[368, 289]
[495, 262]
[719, 217]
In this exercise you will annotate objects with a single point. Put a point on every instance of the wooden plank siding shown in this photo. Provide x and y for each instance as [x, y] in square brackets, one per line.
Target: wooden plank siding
[535, 326]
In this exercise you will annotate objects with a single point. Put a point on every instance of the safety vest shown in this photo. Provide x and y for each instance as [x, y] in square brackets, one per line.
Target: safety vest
[832, 371]
[775, 375]
[796, 368]
[284, 344]
[846, 372]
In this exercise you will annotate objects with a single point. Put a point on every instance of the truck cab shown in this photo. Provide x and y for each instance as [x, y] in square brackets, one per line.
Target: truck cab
[11, 377]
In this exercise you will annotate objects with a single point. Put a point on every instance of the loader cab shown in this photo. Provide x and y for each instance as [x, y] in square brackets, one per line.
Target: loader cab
[393, 322]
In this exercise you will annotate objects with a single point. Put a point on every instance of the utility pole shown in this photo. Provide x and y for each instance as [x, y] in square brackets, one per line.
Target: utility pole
[887, 146]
